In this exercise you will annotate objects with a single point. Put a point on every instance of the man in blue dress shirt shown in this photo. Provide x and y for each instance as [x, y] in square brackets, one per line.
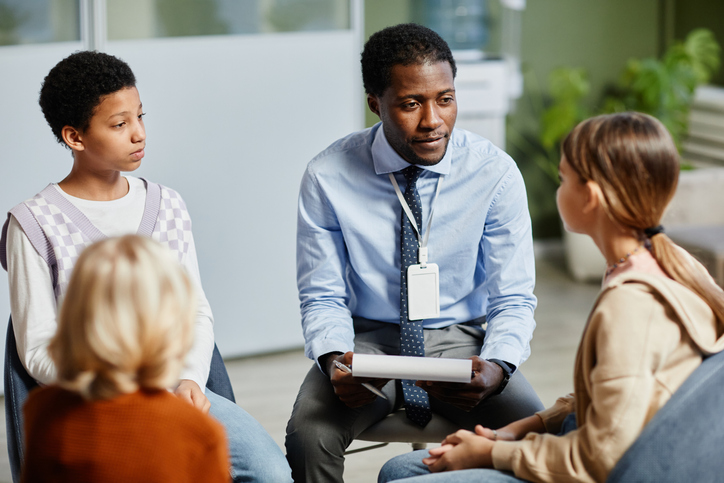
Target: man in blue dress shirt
[349, 259]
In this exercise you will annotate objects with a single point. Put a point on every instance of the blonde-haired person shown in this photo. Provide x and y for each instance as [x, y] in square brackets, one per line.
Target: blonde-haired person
[124, 329]
[658, 315]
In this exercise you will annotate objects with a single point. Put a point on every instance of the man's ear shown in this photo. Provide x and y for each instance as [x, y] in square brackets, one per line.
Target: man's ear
[72, 138]
[593, 197]
[373, 103]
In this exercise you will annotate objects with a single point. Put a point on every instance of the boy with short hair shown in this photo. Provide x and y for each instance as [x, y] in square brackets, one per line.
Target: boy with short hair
[92, 105]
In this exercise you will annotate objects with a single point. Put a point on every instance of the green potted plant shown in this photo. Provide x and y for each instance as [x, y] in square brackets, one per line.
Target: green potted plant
[662, 87]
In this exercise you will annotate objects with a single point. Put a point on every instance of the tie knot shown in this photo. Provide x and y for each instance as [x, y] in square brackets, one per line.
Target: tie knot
[412, 173]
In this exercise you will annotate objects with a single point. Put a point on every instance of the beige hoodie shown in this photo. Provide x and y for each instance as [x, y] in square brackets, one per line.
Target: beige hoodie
[646, 334]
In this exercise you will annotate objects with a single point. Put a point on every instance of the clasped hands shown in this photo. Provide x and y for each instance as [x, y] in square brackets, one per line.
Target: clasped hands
[465, 449]
[486, 380]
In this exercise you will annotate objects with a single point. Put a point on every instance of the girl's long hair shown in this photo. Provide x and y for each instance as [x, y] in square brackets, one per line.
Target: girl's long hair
[633, 159]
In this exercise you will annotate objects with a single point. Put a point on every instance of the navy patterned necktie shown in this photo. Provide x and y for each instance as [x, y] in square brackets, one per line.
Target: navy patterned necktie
[412, 341]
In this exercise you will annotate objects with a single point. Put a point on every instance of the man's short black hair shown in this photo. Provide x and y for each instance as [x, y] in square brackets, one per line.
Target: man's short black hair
[404, 44]
[76, 85]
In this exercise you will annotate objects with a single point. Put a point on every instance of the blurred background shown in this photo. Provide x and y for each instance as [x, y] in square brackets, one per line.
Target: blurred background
[241, 94]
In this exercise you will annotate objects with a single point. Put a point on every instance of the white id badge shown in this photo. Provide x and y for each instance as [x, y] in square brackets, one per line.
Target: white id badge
[423, 292]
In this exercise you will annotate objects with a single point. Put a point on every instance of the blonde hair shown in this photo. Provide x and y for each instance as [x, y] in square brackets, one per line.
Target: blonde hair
[633, 159]
[126, 322]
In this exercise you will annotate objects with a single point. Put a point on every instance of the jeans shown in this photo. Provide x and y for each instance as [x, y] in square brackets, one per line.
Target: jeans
[255, 457]
[410, 469]
[410, 466]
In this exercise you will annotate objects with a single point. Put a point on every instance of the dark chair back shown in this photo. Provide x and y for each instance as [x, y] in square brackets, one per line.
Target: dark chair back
[684, 441]
[218, 381]
[18, 384]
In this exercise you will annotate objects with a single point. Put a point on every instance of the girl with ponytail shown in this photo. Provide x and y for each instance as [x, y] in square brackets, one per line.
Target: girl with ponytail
[657, 317]
[632, 161]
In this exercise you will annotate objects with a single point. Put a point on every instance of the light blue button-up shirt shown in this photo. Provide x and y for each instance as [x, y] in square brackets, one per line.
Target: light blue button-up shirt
[348, 242]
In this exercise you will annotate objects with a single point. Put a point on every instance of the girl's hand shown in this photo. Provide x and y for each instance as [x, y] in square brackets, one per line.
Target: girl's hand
[461, 450]
[436, 453]
[514, 431]
[502, 434]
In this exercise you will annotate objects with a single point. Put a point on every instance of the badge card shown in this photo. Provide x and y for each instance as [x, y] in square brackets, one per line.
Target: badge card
[423, 292]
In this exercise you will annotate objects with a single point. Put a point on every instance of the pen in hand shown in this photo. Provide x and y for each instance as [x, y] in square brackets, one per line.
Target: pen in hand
[367, 386]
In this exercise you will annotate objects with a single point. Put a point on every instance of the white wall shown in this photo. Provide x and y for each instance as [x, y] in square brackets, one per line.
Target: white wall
[232, 122]
[29, 158]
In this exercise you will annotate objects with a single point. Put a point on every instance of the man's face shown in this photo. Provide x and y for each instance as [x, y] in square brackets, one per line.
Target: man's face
[418, 111]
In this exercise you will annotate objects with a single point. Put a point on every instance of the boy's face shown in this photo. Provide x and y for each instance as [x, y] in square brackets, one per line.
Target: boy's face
[116, 137]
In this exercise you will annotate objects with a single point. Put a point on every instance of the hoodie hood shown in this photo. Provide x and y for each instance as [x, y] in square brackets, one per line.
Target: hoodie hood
[694, 314]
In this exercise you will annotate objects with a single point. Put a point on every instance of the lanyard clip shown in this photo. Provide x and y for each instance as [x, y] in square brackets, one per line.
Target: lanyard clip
[422, 256]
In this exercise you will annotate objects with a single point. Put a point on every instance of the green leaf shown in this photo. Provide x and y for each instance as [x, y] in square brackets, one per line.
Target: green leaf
[704, 53]
[556, 122]
[568, 84]
[549, 165]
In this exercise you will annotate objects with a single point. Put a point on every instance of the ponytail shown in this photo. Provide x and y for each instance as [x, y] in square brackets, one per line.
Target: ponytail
[688, 271]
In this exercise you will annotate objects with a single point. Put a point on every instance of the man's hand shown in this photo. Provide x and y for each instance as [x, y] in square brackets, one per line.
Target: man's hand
[488, 376]
[190, 392]
[461, 450]
[349, 389]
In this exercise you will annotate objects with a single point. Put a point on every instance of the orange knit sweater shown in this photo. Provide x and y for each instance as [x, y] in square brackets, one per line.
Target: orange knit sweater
[144, 436]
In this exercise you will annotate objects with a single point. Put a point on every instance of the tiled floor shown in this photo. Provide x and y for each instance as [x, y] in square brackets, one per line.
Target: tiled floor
[266, 386]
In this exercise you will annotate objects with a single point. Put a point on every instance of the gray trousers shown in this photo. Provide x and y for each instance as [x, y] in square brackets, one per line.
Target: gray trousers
[322, 427]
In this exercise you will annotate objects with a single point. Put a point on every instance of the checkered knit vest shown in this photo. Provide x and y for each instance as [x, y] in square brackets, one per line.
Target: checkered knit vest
[59, 231]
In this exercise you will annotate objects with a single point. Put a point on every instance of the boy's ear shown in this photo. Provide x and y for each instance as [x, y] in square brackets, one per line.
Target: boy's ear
[374, 104]
[593, 197]
[72, 138]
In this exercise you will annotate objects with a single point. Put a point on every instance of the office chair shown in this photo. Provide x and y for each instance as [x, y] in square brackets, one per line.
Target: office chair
[684, 440]
[396, 428]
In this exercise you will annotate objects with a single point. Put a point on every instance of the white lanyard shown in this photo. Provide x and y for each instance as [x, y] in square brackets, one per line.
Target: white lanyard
[422, 243]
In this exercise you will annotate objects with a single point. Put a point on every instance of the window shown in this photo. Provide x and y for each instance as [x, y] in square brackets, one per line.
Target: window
[464, 24]
[143, 19]
[39, 21]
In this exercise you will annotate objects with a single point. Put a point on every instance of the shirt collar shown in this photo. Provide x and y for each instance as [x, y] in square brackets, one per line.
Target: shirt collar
[387, 160]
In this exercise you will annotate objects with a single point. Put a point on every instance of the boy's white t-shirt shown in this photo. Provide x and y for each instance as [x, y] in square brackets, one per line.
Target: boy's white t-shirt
[32, 299]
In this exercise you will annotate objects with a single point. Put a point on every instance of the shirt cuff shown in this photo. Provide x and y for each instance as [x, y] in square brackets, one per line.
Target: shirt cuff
[319, 362]
[553, 416]
[507, 367]
[503, 454]
[326, 346]
[502, 352]
[193, 376]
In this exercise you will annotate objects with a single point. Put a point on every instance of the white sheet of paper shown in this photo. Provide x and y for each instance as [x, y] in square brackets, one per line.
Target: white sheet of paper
[417, 368]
